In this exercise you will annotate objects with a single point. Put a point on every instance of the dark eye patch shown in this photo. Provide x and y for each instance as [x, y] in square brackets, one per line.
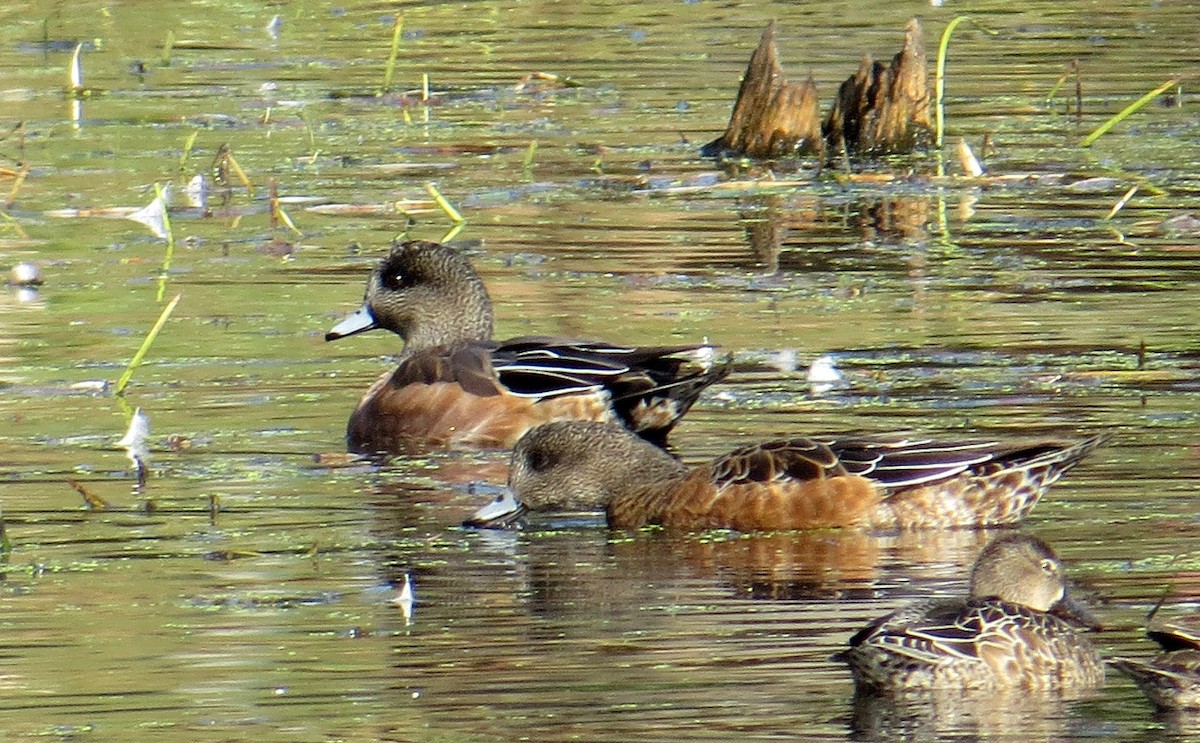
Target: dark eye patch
[394, 280]
[540, 460]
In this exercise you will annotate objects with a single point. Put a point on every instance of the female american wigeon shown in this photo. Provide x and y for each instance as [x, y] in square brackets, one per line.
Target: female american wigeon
[1172, 679]
[1016, 629]
[792, 484]
[455, 386]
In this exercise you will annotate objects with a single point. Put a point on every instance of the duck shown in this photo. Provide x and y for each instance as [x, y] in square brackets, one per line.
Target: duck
[1017, 629]
[1172, 679]
[786, 484]
[456, 387]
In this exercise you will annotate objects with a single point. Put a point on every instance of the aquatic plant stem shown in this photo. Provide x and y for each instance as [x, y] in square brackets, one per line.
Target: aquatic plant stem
[445, 205]
[1125, 112]
[136, 361]
[170, 254]
[390, 70]
[939, 76]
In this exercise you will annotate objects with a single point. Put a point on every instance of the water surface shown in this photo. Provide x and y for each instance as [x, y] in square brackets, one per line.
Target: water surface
[246, 591]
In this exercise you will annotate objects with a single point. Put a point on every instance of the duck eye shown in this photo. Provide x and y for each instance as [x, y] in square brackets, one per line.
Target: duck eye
[396, 280]
[540, 460]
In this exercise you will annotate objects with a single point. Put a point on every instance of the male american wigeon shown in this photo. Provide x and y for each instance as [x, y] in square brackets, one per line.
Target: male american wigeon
[1172, 679]
[455, 386]
[796, 483]
[1016, 629]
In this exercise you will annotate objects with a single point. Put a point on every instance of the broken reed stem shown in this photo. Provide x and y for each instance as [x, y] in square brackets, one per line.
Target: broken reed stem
[390, 70]
[5, 544]
[186, 155]
[446, 206]
[76, 71]
[527, 164]
[136, 361]
[1125, 112]
[1121, 202]
[161, 195]
[168, 47]
[939, 75]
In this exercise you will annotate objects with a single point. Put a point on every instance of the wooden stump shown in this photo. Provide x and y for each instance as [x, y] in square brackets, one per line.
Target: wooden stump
[879, 110]
[884, 110]
[772, 117]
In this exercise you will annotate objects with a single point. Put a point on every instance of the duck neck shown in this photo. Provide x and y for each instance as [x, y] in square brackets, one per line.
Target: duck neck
[648, 470]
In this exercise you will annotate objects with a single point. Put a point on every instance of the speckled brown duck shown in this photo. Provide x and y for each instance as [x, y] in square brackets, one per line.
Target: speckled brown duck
[796, 483]
[456, 387]
[1016, 629]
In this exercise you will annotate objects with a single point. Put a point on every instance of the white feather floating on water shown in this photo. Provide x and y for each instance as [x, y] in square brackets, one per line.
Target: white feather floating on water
[134, 442]
[406, 599]
[154, 214]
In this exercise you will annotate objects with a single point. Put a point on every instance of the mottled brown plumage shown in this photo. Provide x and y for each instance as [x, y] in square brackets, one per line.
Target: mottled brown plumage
[454, 386]
[797, 483]
[1015, 629]
[1170, 680]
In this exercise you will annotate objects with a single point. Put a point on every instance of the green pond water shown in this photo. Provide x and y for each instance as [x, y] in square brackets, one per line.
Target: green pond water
[246, 592]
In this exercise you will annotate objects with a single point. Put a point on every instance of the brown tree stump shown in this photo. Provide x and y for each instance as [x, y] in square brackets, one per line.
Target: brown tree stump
[771, 117]
[884, 110]
[879, 110]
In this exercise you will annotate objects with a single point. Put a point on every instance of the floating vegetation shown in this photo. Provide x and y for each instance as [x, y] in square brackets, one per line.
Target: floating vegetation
[90, 499]
[277, 212]
[136, 361]
[224, 163]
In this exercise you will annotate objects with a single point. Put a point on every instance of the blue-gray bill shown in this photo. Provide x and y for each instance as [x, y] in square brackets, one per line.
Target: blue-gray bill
[505, 512]
[358, 321]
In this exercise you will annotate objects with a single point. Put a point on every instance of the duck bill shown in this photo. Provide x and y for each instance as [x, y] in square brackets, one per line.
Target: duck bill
[358, 321]
[1076, 613]
[503, 512]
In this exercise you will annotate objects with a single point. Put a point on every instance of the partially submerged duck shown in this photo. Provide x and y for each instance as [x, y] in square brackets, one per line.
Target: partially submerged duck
[797, 483]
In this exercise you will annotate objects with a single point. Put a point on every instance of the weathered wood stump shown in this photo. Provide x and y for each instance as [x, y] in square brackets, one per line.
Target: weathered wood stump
[771, 117]
[879, 110]
[884, 110]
